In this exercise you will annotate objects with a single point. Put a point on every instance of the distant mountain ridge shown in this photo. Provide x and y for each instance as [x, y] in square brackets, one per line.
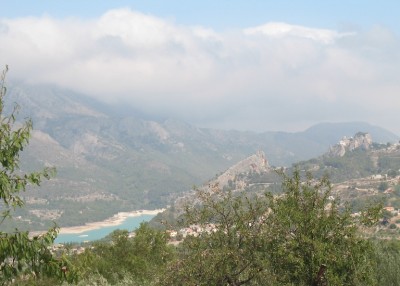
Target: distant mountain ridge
[111, 161]
[324, 132]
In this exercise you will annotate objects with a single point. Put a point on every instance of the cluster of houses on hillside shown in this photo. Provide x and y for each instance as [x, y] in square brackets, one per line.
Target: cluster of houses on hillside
[194, 230]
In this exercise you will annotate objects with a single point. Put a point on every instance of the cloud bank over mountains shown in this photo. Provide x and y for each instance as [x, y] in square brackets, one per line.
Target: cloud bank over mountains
[274, 76]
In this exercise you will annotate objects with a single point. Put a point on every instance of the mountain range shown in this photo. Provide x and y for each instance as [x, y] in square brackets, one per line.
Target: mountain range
[361, 171]
[112, 159]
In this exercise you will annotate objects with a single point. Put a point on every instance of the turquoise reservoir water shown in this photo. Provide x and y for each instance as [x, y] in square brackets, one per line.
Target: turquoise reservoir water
[129, 224]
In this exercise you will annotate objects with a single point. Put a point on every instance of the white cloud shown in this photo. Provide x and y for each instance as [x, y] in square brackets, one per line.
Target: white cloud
[281, 30]
[269, 77]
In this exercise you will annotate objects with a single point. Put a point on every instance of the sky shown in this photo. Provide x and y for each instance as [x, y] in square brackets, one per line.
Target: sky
[247, 65]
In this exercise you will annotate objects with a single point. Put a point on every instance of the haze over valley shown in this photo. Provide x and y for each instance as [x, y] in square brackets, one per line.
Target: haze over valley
[110, 160]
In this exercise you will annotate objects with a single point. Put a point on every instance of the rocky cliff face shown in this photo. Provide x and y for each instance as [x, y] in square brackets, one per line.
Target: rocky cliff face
[359, 141]
[237, 175]
[256, 163]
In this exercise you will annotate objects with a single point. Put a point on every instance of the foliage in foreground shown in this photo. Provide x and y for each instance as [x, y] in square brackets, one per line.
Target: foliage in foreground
[137, 261]
[21, 257]
[302, 237]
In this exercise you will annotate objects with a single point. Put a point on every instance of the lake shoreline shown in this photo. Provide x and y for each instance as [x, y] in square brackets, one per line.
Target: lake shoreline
[115, 220]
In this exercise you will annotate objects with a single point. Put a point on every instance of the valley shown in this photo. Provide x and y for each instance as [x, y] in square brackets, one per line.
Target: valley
[178, 143]
[111, 161]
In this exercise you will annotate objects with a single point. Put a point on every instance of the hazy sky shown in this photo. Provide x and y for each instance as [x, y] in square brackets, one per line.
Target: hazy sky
[255, 65]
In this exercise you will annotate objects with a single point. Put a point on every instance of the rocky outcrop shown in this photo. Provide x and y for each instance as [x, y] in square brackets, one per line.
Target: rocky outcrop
[361, 141]
[256, 163]
[236, 174]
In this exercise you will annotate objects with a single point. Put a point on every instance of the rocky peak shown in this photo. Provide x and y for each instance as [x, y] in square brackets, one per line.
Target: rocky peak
[255, 163]
[360, 140]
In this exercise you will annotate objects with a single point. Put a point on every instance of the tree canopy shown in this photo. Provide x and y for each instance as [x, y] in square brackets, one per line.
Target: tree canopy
[301, 237]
